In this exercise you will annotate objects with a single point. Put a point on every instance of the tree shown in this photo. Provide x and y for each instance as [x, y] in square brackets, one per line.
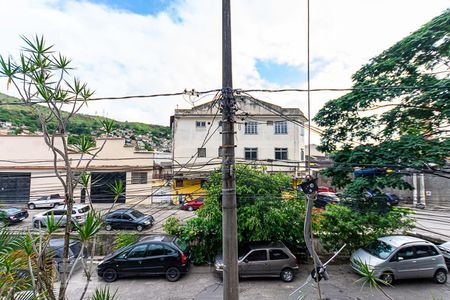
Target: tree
[40, 76]
[397, 115]
[268, 210]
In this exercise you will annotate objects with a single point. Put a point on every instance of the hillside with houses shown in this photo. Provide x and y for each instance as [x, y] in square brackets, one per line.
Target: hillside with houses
[22, 120]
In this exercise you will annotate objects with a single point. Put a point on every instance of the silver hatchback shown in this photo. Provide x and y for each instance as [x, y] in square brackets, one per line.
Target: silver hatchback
[264, 259]
[401, 257]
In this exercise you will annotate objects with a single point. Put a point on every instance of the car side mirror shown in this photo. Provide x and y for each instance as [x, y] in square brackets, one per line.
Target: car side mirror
[246, 261]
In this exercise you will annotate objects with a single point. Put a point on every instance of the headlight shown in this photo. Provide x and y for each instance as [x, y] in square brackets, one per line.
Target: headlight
[147, 222]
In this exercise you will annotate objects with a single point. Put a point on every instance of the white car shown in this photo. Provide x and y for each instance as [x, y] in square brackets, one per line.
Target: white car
[79, 213]
[46, 201]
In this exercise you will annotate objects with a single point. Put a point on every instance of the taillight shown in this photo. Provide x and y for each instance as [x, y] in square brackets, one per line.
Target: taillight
[183, 258]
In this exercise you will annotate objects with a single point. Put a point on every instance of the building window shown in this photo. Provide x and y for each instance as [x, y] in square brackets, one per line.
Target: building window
[200, 124]
[220, 151]
[138, 177]
[251, 128]
[201, 152]
[179, 183]
[302, 154]
[281, 153]
[251, 153]
[280, 127]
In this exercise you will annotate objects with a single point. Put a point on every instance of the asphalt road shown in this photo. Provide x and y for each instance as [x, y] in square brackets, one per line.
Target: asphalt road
[201, 284]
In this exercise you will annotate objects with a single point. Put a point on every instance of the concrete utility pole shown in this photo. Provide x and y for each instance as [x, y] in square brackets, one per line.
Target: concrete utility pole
[229, 221]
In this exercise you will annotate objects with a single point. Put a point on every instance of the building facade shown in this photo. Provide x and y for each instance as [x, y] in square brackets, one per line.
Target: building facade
[27, 170]
[267, 136]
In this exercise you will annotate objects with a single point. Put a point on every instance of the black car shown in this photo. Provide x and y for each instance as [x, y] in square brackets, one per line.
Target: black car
[152, 255]
[56, 249]
[12, 215]
[325, 198]
[127, 218]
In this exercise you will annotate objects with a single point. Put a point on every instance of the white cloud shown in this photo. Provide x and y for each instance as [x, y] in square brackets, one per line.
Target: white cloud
[120, 53]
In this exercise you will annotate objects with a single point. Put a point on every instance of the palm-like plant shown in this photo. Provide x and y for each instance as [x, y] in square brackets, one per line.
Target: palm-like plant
[104, 294]
[368, 278]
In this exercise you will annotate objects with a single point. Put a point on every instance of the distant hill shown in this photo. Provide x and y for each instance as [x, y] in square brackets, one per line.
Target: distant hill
[20, 115]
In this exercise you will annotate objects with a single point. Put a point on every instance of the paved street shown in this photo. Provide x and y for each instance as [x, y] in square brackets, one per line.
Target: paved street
[201, 284]
[433, 223]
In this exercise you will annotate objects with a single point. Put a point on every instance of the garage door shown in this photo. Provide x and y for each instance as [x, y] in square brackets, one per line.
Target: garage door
[101, 186]
[14, 187]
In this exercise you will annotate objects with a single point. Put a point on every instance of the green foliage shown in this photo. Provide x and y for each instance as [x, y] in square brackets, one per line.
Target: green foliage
[340, 224]
[398, 112]
[104, 294]
[90, 227]
[368, 278]
[79, 124]
[125, 238]
[264, 214]
[173, 226]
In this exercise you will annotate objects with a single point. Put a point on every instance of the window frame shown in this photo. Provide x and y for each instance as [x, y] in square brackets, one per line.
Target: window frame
[251, 151]
[280, 127]
[139, 177]
[201, 152]
[281, 250]
[281, 151]
[251, 128]
[253, 251]
[200, 124]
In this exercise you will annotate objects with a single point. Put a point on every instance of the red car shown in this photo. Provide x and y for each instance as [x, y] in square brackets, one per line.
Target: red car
[194, 204]
[326, 189]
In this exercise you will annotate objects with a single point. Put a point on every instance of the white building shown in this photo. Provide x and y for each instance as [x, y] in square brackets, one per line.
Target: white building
[27, 171]
[266, 135]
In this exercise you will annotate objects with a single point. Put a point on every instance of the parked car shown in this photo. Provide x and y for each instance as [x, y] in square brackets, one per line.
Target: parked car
[46, 201]
[127, 218]
[152, 255]
[56, 247]
[194, 204]
[445, 249]
[263, 259]
[79, 213]
[392, 199]
[389, 198]
[326, 189]
[325, 198]
[12, 215]
[402, 257]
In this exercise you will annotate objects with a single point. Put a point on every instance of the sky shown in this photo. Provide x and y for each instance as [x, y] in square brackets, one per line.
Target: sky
[156, 46]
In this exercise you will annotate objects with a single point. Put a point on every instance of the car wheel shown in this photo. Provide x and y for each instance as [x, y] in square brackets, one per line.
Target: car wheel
[387, 278]
[110, 275]
[52, 205]
[108, 227]
[139, 228]
[190, 208]
[31, 206]
[440, 276]
[173, 274]
[287, 275]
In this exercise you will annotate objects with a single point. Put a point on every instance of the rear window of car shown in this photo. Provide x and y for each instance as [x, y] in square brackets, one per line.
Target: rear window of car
[277, 254]
[83, 210]
[183, 245]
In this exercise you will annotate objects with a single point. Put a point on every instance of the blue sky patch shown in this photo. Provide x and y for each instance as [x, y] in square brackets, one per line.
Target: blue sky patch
[141, 7]
[282, 74]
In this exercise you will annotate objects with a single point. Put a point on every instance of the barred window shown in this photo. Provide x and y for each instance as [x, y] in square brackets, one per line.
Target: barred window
[281, 153]
[138, 177]
[280, 127]
[200, 124]
[201, 152]
[251, 128]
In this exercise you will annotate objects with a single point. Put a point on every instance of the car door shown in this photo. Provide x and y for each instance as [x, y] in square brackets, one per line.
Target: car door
[157, 258]
[127, 222]
[426, 260]
[255, 263]
[133, 264]
[42, 202]
[278, 259]
[404, 264]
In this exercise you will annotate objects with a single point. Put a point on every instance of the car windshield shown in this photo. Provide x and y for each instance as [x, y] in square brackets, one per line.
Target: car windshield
[137, 214]
[183, 245]
[42, 198]
[379, 249]
[11, 210]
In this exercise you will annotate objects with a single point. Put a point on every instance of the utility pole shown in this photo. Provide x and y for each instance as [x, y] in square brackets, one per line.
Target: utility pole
[229, 217]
